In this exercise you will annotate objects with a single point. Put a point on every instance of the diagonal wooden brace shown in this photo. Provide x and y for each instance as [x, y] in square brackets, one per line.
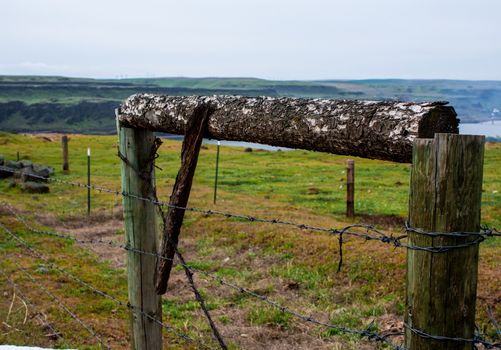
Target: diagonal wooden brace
[195, 130]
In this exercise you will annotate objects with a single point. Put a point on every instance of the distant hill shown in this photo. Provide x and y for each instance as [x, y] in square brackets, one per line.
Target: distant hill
[39, 103]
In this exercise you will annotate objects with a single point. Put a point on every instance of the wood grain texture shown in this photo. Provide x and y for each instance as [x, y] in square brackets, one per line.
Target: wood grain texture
[181, 193]
[445, 196]
[371, 129]
[140, 217]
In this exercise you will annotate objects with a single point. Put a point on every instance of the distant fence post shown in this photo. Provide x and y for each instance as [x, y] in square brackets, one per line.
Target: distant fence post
[445, 196]
[350, 188]
[135, 147]
[66, 164]
[217, 170]
[88, 181]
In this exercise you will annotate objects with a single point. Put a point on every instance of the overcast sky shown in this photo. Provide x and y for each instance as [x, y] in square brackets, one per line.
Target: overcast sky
[287, 39]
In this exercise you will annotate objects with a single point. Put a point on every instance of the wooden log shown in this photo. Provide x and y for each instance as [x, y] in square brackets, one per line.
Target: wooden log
[445, 196]
[181, 192]
[135, 147]
[350, 188]
[66, 163]
[370, 129]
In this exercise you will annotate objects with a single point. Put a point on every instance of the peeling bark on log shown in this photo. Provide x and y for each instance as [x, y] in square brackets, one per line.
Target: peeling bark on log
[370, 129]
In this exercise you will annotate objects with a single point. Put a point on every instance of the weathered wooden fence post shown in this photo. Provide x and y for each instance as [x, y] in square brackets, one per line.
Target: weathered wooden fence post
[135, 147]
[350, 188]
[66, 164]
[445, 196]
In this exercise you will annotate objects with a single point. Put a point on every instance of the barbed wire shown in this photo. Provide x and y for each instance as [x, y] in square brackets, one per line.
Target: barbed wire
[477, 339]
[38, 314]
[371, 232]
[200, 300]
[485, 231]
[367, 333]
[59, 304]
[134, 309]
[370, 335]
[493, 321]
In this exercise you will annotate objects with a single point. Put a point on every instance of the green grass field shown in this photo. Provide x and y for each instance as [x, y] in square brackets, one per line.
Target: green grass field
[295, 267]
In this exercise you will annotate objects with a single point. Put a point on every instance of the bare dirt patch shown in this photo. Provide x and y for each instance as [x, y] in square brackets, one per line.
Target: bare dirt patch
[94, 227]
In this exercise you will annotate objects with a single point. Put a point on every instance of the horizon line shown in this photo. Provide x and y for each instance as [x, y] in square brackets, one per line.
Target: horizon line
[242, 77]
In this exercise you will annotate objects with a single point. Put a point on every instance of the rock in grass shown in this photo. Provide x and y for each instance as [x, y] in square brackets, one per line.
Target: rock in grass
[1, 159]
[43, 170]
[9, 172]
[10, 168]
[25, 163]
[27, 174]
[38, 174]
[26, 170]
[34, 187]
[5, 174]
[13, 164]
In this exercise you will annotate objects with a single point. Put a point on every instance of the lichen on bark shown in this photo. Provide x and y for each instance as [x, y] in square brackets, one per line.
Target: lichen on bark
[370, 129]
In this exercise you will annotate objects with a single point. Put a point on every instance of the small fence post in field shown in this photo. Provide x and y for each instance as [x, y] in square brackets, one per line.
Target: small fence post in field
[217, 170]
[135, 147]
[88, 180]
[350, 188]
[445, 196]
[66, 163]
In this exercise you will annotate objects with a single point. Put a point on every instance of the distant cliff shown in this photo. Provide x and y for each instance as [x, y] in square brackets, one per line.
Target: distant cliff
[34, 103]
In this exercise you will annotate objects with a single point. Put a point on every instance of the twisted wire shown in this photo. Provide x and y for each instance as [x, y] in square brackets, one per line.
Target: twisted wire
[39, 255]
[38, 314]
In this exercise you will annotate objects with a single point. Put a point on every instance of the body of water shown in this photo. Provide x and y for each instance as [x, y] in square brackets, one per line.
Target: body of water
[247, 145]
[230, 143]
[491, 128]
